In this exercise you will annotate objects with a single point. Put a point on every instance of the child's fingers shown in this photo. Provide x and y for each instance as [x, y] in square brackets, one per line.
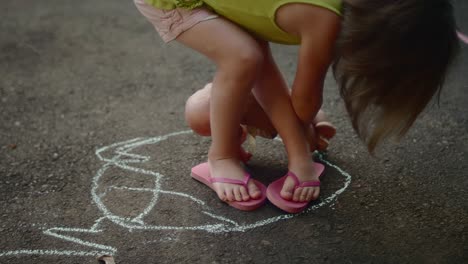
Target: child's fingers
[322, 143]
[325, 129]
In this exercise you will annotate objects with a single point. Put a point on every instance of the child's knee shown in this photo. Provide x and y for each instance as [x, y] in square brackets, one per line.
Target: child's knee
[246, 63]
[197, 112]
[251, 58]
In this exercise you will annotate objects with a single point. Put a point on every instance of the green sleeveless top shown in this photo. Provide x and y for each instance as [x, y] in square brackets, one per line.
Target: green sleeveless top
[257, 16]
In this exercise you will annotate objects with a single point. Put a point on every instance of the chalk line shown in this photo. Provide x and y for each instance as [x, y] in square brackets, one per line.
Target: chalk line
[121, 157]
[53, 252]
[123, 151]
[53, 232]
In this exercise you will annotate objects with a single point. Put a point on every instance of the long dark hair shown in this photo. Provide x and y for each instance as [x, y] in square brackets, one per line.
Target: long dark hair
[392, 57]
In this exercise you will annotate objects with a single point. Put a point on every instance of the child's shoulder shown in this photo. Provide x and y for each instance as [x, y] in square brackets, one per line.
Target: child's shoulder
[297, 18]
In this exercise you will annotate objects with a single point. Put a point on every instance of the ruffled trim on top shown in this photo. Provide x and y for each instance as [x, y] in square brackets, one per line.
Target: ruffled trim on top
[162, 4]
[188, 4]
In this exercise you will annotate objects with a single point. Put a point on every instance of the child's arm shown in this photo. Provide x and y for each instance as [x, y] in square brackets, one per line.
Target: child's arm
[318, 34]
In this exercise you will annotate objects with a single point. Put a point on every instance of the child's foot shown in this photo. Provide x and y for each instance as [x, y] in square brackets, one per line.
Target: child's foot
[302, 194]
[230, 168]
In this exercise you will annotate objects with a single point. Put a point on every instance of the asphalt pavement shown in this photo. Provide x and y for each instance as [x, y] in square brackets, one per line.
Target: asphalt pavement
[95, 157]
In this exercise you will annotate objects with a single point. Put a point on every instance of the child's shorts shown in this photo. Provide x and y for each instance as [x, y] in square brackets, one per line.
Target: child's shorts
[171, 23]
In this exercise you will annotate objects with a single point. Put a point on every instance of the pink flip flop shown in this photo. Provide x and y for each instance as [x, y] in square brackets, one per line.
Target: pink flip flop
[201, 173]
[274, 190]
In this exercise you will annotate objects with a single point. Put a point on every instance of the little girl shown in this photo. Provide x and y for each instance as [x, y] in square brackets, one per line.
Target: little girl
[389, 58]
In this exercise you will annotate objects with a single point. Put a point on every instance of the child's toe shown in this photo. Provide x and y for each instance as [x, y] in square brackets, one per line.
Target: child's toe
[237, 195]
[221, 195]
[253, 190]
[244, 193]
[310, 194]
[288, 189]
[230, 195]
[316, 193]
[303, 195]
[297, 194]
[287, 195]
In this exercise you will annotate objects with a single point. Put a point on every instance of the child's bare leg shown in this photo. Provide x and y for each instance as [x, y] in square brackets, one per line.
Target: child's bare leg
[321, 116]
[272, 93]
[197, 113]
[238, 58]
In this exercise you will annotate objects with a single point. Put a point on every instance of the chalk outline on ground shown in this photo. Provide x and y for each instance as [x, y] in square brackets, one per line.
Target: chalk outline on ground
[122, 159]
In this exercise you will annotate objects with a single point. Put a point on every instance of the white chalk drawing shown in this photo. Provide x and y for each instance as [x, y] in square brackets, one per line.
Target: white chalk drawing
[124, 158]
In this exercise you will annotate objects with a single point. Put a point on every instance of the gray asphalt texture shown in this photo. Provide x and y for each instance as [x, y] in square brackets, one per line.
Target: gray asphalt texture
[77, 76]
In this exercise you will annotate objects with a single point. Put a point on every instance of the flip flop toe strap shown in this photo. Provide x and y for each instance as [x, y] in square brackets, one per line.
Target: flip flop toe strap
[232, 181]
[298, 183]
[310, 184]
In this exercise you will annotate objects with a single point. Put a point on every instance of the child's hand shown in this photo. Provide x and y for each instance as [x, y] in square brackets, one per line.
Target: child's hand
[319, 134]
